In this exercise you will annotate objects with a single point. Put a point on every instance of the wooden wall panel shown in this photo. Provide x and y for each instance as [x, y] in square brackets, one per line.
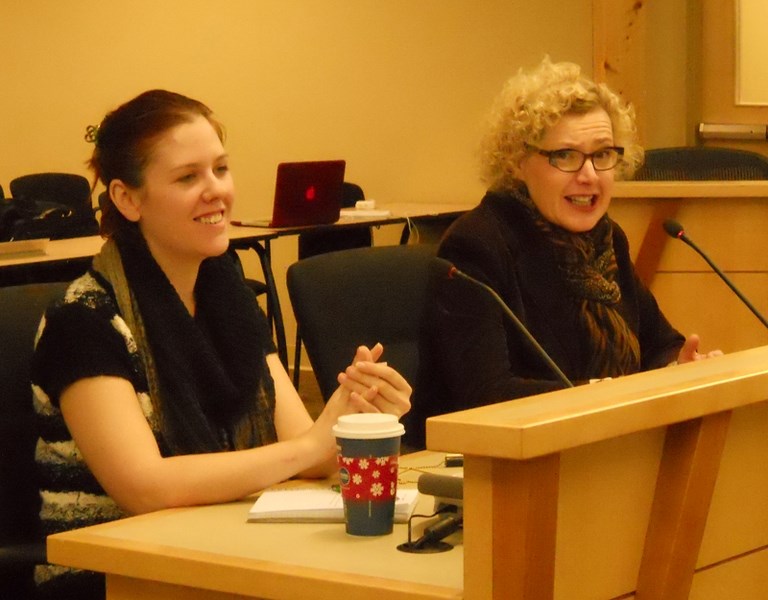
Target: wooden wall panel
[718, 75]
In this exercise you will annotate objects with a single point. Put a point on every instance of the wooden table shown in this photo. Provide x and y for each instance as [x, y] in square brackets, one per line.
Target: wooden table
[84, 248]
[68, 258]
[81, 250]
[212, 552]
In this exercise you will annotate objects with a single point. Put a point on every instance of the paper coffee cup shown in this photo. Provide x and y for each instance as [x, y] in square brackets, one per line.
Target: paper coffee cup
[368, 446]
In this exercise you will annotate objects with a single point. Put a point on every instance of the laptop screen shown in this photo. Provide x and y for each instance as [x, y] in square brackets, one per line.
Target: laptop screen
[308, 193]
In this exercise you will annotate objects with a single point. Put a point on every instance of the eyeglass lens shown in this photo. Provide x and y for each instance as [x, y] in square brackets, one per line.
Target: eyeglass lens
[570, 160]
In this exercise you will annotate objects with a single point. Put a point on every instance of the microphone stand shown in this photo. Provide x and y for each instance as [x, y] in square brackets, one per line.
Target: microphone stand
[674, 229]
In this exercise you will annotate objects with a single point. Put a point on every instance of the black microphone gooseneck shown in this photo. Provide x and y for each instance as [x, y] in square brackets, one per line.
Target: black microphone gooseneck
[675, 230]
[452, 272]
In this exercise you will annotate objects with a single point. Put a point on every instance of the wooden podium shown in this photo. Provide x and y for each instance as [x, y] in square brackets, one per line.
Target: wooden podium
[649, 486]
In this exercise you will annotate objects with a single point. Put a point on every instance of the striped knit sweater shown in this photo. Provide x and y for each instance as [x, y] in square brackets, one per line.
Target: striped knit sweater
[82, 336]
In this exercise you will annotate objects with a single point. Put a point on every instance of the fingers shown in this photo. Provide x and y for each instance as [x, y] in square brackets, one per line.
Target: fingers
[368, 385]
[379, 385]
[363, 353]
[690, 351]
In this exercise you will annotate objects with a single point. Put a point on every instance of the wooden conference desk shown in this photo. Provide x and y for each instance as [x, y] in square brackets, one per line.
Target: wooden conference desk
[650, 486]
[212, 552]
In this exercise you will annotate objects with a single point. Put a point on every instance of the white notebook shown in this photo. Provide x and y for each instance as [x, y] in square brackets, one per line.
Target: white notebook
[31, 247]
[309, 505]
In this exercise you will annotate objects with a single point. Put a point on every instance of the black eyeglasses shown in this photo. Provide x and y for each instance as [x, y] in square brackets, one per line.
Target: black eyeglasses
[570, 160]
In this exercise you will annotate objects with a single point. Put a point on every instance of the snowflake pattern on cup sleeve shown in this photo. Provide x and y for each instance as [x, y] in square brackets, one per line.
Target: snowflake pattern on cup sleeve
[368, 478]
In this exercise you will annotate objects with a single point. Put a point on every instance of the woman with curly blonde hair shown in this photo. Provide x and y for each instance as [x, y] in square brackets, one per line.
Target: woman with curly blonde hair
[542, 239]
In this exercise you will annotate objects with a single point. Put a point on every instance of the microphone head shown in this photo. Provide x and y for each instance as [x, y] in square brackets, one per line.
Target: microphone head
[674, 229]
[443, 268]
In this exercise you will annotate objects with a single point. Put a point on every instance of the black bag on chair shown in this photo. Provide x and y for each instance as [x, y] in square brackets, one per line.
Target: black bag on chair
[23, 219]
[49, 205]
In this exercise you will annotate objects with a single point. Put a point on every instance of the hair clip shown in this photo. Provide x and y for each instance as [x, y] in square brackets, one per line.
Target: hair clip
[92, 134]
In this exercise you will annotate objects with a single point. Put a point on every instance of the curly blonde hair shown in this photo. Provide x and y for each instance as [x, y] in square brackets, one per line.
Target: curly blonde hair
[532, 102]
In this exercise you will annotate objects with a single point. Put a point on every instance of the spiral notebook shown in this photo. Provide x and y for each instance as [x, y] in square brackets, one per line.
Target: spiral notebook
[318, 505]
[32, 247]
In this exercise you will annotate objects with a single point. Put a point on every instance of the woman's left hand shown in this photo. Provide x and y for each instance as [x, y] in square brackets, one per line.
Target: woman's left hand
[690, 351]
[375, 386]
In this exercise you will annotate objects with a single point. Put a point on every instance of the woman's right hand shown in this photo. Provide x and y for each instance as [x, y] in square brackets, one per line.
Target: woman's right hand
[343, 402]
[366, 385]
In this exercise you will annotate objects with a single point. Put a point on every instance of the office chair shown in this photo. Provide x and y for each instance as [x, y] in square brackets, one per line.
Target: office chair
[361, 296]
[53, 205]
[21, 542]
[314, 243]
[701, 163]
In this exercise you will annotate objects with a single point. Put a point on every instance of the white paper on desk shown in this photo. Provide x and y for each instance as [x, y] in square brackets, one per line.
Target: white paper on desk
[35, 246]
[321, 505]
[365, 213]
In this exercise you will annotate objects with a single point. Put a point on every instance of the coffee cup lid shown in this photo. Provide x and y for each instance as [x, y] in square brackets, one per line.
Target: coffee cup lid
[366, 426]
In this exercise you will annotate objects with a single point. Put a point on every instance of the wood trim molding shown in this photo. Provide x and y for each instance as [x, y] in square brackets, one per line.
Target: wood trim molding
[684, 487]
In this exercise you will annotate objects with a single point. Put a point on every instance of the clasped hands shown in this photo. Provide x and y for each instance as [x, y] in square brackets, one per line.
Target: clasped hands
[371, 386]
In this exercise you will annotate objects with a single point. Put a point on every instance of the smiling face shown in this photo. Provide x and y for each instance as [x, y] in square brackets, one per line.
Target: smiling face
[574, 201]
[184, 204]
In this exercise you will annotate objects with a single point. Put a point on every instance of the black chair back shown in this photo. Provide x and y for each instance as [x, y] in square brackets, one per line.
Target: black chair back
[322, 241]
[702, 163]
[21, 542]
[361, 296]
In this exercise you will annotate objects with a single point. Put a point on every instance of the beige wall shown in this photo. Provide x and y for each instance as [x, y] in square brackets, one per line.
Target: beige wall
[397, 88]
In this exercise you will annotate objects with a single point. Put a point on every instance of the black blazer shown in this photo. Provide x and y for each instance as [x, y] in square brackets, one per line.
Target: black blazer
[471, 354]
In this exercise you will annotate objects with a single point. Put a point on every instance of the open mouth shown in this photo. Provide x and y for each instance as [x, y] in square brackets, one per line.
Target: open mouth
[211, 219]
[582, 201]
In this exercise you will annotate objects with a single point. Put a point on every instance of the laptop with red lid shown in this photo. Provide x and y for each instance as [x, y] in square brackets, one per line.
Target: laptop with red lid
[306, 193]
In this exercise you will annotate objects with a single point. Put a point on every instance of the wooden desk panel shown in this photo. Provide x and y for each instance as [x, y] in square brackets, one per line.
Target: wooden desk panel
[728, 221]
[745, 579]
[668, 463]
[213, 548]
[702, 303]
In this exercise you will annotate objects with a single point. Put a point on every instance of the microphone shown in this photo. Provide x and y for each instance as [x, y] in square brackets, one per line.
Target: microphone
[452, 272]
[431, 539]
[442, 529]
[675, 230]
